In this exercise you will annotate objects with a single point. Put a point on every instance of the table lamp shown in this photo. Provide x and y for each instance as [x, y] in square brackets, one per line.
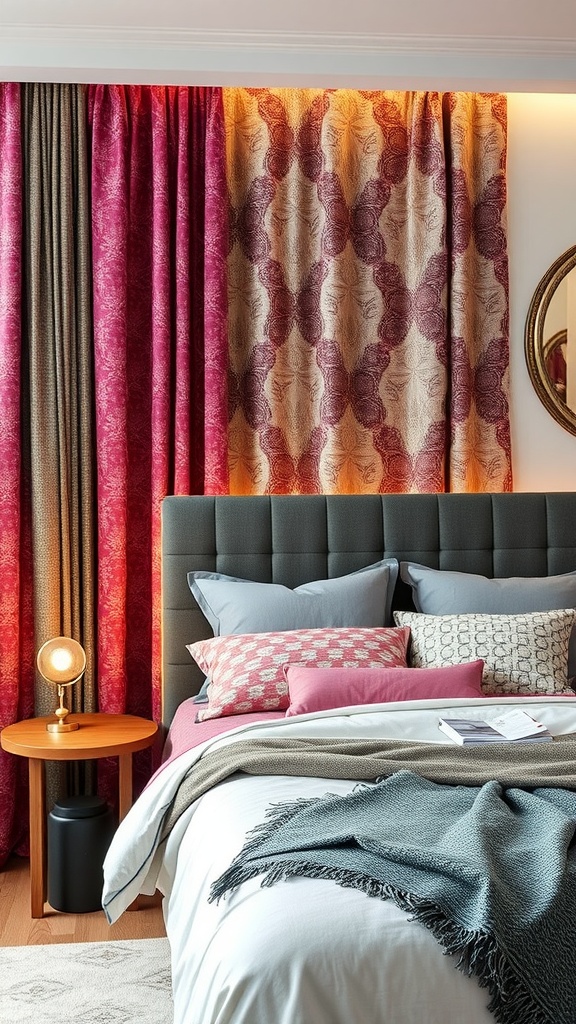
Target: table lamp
[61, 662]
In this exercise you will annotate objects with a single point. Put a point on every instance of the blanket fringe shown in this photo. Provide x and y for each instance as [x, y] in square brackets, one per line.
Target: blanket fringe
[477, 953]
[276, 815]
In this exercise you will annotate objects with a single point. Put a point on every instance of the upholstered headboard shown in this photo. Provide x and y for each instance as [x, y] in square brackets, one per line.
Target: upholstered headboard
[297, 538]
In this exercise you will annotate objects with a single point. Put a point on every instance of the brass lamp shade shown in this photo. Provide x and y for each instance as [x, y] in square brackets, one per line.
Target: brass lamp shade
[62, 662]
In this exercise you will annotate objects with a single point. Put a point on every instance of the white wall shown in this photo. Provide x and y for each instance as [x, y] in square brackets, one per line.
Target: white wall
[541, 226]
[520, 45]
[514, 18]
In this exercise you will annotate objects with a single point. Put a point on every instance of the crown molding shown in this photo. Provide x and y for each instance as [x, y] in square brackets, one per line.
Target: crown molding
[187, 56]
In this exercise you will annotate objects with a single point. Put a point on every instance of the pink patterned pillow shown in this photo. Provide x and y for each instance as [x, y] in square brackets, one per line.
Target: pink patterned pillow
[247, 670]
[318, 689]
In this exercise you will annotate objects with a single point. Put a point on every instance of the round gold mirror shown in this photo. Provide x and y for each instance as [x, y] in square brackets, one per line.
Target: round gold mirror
[550, 340]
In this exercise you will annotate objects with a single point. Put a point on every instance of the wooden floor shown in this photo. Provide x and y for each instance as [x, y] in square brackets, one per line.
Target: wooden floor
[17, 928]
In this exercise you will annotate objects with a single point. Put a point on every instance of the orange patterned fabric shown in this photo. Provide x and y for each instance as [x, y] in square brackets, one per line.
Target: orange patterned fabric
[368, 291]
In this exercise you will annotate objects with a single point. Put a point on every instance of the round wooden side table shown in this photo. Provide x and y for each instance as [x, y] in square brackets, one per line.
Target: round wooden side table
[98, 735]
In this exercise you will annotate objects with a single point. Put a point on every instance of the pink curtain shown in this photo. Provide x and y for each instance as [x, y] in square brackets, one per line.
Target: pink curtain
[159, 244]
[16, 644]
[368, 291]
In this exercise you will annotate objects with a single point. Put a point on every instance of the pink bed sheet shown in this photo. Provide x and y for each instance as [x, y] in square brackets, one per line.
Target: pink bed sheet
[185, 732]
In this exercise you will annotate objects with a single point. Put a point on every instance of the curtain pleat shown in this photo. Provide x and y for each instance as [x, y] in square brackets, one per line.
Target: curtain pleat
[214, 247]
[159, 331]
[368, 291]
[57, 337]
[478, 363]
[16, 616]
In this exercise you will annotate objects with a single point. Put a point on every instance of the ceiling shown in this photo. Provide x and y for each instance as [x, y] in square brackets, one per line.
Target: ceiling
[507, 45]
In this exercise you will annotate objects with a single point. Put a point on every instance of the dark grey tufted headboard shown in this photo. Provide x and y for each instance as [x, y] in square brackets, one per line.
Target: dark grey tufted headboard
[297, 538]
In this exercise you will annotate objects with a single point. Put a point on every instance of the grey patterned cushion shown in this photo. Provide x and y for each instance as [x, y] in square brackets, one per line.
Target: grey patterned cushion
[522, 654]
[445, 592]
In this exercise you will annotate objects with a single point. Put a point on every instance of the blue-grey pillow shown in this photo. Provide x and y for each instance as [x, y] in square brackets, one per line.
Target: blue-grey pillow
[445, 592]
[202, 695]
[359, 599]
[233, 605]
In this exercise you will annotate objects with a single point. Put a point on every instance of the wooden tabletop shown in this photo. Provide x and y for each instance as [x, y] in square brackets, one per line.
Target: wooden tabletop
[98, 735]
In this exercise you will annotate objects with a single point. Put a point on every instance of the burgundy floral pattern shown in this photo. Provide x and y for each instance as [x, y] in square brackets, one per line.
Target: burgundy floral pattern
[160, 350]
[368, 291]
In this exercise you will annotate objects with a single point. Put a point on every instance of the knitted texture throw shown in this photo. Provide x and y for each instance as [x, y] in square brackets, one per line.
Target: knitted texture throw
[490, 870]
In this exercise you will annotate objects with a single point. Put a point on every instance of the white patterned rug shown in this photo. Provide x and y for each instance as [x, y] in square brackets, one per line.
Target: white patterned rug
[117, 982]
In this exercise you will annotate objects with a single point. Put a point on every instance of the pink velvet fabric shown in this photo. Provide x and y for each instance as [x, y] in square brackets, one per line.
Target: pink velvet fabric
[16, 625]
[317, 689]
[159, 228]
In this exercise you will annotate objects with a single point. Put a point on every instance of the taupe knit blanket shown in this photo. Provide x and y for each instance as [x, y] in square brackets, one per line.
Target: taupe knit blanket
[513, 764]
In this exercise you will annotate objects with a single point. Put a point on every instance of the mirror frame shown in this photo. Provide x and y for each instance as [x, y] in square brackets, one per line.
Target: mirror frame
[534, 340]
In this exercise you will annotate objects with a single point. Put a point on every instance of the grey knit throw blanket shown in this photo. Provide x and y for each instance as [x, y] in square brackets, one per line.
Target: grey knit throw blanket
[488, 867]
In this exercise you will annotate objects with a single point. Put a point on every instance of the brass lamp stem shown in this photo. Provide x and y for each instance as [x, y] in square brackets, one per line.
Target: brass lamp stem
[61, 714]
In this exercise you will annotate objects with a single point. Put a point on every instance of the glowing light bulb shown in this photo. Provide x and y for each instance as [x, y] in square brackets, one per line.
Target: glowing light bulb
[61, 659]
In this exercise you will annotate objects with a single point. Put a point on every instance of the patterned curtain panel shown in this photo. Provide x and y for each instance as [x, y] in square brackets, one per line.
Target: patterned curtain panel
[159, 249]
[368, 291]
[16, 622]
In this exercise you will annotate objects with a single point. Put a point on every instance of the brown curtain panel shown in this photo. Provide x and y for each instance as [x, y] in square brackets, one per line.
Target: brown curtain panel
[57, 344]
[368, 291]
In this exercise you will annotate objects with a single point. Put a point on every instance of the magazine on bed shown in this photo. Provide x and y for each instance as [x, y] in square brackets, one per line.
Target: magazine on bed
[513, 726]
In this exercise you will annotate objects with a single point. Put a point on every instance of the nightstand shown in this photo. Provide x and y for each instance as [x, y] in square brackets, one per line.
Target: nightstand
[99, 735]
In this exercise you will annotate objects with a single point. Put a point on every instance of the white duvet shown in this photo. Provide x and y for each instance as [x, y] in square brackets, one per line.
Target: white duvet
[305, 951]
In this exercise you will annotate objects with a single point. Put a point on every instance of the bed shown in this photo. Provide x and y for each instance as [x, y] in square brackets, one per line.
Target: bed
[472, 593]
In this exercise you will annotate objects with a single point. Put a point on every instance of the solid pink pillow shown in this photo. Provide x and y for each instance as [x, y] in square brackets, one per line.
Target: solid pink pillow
[318, 689]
